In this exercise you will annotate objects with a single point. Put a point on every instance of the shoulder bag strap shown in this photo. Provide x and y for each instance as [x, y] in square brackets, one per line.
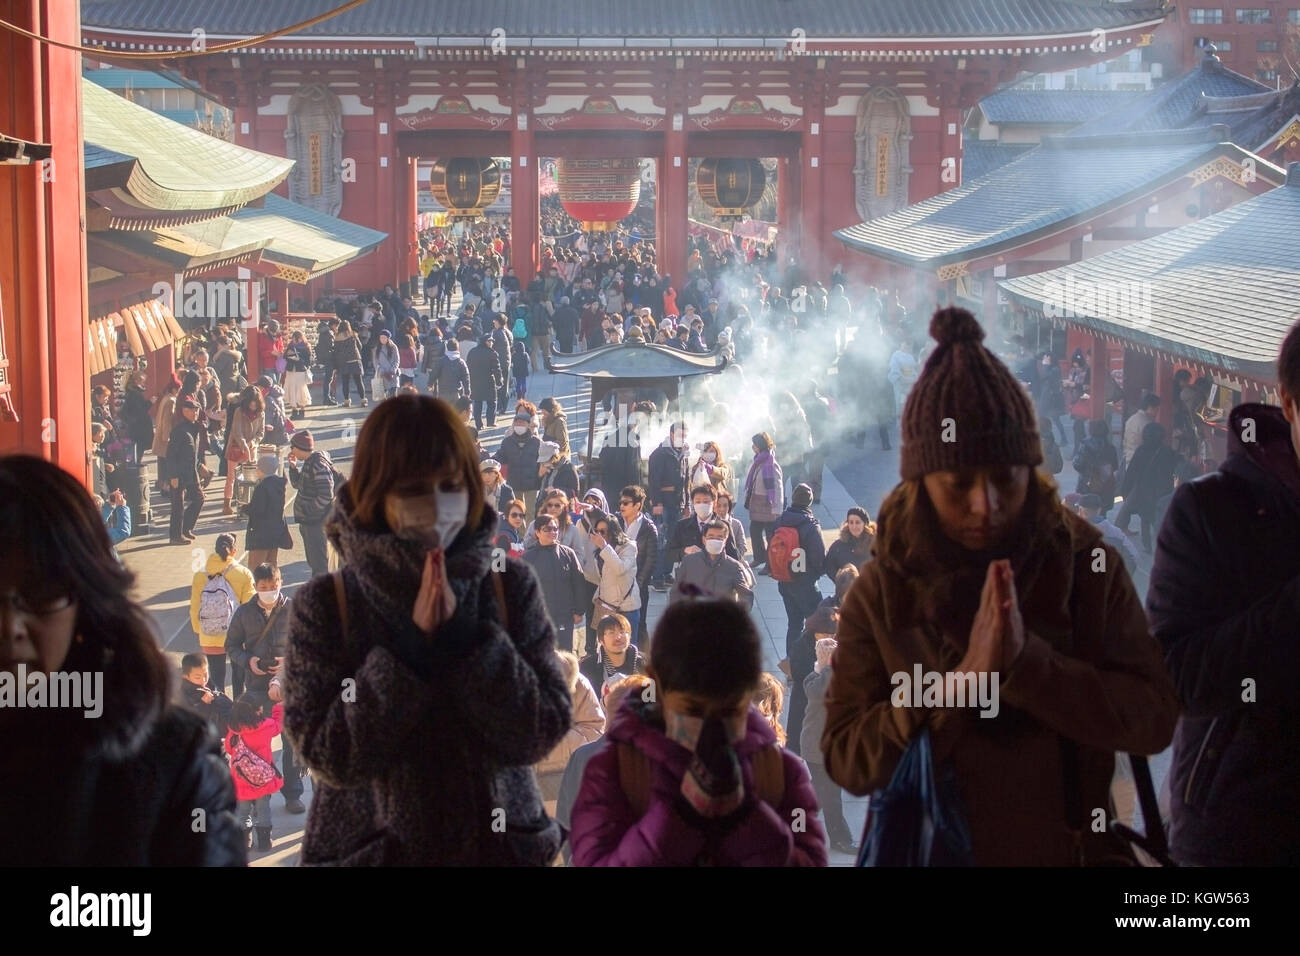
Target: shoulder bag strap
[266, 629]
[769, 776]
[341, 596]
[499, 587]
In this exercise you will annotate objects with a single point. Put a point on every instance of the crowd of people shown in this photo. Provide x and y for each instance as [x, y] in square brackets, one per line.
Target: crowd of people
[505, 589]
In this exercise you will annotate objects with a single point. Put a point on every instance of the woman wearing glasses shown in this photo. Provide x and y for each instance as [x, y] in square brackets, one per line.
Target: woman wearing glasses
[111, 774]
[511, 528]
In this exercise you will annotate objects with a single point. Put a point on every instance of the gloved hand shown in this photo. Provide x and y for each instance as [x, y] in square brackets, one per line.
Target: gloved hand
[713, 786]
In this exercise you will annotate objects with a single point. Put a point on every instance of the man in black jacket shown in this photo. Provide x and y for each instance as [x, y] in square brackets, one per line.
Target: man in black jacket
[503, 343]
[518, 457]
[256, 641]
[687, 536]
[638, 527]
[565, 322]
[183, 472]
[800, 595]
[668, 465]
[559, 572]
[325, 357]
[485, 378]
[1224, 602]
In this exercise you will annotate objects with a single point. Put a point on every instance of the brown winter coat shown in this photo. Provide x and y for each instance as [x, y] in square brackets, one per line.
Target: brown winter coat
[429, 760]
[1099, 680]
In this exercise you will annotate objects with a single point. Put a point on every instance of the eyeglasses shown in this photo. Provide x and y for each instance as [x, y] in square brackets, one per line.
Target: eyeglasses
[44, 608]
[549, 529]
[516, 514]
[602, 531]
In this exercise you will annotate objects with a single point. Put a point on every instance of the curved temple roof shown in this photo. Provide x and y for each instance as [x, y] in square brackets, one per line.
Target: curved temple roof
[705, 20]
[193, 172]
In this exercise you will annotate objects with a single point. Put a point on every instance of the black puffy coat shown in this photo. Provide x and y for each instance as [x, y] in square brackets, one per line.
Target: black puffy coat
[431, 762]
[123, 789]
[1223, 601]
[518, 457]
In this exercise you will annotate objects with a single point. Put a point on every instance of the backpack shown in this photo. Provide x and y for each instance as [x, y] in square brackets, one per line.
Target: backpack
[253, 769]
[520, 328]
[780, 552]
[217, 604]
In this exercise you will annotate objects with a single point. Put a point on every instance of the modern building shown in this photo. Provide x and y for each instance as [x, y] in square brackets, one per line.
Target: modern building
[165, 96]
[1254, 37]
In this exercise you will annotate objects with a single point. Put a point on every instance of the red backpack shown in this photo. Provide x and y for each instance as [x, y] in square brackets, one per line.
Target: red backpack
[780, 552]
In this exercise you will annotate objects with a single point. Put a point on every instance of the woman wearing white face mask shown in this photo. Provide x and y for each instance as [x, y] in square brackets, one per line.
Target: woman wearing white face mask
[711, 467]
[456, 690]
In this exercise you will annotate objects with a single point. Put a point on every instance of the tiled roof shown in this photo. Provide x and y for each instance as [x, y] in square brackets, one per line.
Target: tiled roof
[1053, 107]
[303, 239]
[1253, 119]
[710, 19]
[1173, 105]
[1065, 181]
[979, 157]
[1222, 291]
[119, 78]
[177, 168]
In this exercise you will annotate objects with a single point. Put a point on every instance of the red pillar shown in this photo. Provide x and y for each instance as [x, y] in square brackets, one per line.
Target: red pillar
[410, 189]
[674, 169]
[389, 260]
[1165, 389]
[524, 224]
[43, 259]
[784, 200]
[811, 156]
[245, 114]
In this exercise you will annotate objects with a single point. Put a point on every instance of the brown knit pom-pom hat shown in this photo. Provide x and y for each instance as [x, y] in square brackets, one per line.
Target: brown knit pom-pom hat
[966, 410]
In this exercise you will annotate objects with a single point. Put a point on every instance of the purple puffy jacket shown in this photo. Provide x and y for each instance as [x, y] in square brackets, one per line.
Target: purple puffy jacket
[605, 831]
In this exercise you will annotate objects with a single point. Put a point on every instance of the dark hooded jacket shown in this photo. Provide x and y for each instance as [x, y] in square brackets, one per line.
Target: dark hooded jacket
[1224, 602]
[1089, 681]
[431, 762]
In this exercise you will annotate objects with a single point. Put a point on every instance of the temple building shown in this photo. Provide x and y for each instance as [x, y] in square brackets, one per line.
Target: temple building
[861, 104]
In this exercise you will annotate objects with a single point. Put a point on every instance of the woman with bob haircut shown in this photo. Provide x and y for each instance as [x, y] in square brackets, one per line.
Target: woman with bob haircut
[458, 691]
[109, 774]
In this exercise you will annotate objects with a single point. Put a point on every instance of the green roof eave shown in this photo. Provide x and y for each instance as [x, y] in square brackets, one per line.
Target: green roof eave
[175, 167]
[303, 238]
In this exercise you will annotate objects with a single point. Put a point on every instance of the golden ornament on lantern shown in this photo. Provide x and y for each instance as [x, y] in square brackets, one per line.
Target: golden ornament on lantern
[730, 187]
[465, 186]
[598, 192]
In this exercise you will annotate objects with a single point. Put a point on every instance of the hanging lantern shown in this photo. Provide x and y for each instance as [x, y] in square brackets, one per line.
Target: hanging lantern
[730, 187]
[598, 192]
[465, 186]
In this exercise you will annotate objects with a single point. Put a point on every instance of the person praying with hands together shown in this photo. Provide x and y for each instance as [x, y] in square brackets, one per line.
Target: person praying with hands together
[978, 568]
[422, 685]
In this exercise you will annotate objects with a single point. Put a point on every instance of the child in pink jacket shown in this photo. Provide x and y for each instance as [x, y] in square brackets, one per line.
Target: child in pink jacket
[252, 764]
[691, 773]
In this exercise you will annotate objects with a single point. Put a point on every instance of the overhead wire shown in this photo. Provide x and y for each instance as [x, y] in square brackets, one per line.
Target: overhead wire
[102, 51]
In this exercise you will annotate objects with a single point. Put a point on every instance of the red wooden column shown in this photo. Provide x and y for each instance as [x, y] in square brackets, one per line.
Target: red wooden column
[524, 214]
[810, 170]
[389, 266]
[408, 262]
[43, 259]
[245, 115]
[412, 209]
[674, 195]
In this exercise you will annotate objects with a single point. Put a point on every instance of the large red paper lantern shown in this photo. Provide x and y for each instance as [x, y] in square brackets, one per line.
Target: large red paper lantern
[598, 192]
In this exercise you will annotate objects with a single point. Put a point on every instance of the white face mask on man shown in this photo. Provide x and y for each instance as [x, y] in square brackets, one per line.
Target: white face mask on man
[521, 429]
[703, 510]
[714, 546]
[269, 597]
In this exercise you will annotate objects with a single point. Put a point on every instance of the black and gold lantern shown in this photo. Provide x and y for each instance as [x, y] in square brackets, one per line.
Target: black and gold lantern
[730, 187]
[465, 186]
